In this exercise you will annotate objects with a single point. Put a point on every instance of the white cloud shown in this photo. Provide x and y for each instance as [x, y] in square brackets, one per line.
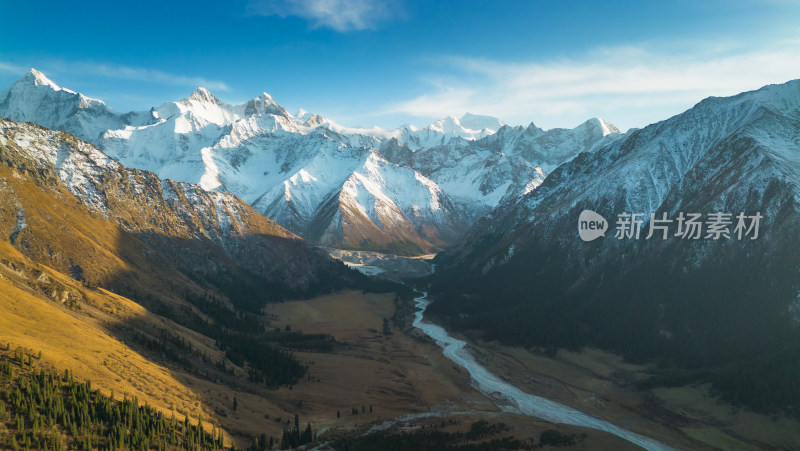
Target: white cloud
[116, 71]
[631, 86]
[11, 68]
[339, 15]
[149, 75]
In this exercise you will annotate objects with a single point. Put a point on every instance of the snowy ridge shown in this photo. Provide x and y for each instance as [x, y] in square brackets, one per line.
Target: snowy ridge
[204, 234]
[35, 98]
[88, 173]
[332, 184]
[725, 154]
[649, 163]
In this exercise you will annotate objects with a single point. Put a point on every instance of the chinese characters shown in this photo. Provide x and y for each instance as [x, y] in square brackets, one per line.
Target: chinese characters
[689, 226]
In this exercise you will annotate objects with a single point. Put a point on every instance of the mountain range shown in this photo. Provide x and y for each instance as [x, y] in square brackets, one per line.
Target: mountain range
[504, 200]
[204, 212]
[407, 190]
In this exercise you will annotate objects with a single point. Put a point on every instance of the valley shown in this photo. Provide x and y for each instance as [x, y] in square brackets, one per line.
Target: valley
[253, 272]
[396, 382]
[384, 377]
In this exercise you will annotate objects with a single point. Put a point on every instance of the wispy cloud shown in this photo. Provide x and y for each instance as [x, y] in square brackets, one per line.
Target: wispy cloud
[11, 68]
[142, 74]
[117, 71]
[339, 15]
[633, 85]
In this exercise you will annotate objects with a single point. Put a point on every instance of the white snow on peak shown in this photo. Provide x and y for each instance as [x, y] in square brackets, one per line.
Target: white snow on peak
[606, 127]
[36, 98]
[202, 94]
[37, 78]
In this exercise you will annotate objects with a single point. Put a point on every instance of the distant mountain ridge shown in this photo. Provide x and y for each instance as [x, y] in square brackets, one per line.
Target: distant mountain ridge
[407, 190]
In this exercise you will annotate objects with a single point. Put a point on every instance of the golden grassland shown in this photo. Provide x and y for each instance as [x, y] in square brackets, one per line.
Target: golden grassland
[602, 384]
[63, 235]
[77, 327]
[80, 341]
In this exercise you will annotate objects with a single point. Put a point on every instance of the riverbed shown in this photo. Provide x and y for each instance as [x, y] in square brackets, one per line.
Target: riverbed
[508, 397]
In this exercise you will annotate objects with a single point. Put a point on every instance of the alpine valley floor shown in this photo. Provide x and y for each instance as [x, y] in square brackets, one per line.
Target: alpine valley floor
[601, 384]
[393, 375]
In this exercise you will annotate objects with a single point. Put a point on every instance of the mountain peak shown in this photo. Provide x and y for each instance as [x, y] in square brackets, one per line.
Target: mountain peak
[448, 124]
[607, 127]
[202, 94]
[599, 125]
[467, 122]
[267, 98]
[36, 78]
[314, 120]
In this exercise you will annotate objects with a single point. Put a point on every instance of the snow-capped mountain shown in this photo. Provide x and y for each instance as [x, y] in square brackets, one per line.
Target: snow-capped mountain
[506, 164]
[469, 127]
[409, 189]
[35, 98]
[212, 236]
[725, 154]
[721, 309]
[649, 167]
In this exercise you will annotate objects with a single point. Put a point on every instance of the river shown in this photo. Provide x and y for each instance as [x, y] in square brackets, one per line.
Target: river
[509, 397]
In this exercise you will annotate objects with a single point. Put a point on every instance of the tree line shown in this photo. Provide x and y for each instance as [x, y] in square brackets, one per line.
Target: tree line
[48, 411]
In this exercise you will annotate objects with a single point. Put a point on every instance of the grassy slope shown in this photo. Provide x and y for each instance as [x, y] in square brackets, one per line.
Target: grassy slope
[61, 233]
[35, 296]
[79, 340]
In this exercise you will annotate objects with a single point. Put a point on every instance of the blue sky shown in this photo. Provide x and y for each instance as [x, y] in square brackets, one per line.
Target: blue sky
[555, 63]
